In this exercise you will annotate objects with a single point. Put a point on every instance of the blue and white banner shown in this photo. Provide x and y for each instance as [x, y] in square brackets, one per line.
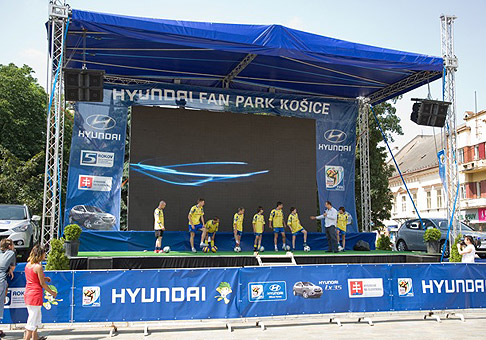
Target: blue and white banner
[98, 144]
[441, 157]
[184, 294]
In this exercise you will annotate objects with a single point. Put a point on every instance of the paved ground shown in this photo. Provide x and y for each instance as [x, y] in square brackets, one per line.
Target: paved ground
[410, 326]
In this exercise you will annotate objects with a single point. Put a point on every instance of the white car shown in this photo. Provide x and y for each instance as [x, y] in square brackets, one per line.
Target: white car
[17, 224]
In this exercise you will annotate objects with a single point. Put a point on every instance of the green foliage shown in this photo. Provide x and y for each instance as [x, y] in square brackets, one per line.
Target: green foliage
[22, 112]
[57, 259]
[384, 243]
[455, 256]
[72, 232]
[23, 116]
[432, 234]
[381, 197]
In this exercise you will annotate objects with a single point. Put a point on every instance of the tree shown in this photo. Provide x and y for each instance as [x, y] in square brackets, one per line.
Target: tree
[23, 114]
[381, 197]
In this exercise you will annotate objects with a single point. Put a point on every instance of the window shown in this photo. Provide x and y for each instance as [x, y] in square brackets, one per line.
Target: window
[461, 156]
[404, 203]
[414, 196]
[463, 191]
[429, 200]
[439, 198]
[478, 189]
[476, 152]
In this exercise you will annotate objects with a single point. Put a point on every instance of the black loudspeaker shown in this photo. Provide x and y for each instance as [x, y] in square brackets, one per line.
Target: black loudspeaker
[429, 112]
[83, 85]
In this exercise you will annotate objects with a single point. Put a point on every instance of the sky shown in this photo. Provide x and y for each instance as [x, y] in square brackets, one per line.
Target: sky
[411, 25]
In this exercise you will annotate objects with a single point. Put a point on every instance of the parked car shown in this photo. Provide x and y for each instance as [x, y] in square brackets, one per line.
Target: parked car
[307, 290]
[91, 218]
[17, 224]
[410, 235]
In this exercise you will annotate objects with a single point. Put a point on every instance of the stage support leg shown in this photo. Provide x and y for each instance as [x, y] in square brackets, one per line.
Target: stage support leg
[261, 325]
[113, 330]
[364, 162]
[145, 330]
[229, 327]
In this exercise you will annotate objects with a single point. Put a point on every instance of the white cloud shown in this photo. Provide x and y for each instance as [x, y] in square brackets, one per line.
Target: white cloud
[37, 60]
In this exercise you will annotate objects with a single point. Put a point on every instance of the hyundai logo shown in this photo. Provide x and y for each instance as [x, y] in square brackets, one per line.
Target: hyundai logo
[275, 288]
[335, 136]
[101, 122]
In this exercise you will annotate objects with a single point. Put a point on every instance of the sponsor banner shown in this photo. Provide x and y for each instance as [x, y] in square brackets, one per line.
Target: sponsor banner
[441, 157]
[155, 295]
[96, 164]
[54, 310]
[99, 132]
[150, 295]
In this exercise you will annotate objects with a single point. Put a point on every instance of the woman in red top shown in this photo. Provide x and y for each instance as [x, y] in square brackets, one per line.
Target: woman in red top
[33, 296]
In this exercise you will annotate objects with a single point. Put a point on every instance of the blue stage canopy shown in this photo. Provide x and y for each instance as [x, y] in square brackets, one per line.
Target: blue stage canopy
[258, 58]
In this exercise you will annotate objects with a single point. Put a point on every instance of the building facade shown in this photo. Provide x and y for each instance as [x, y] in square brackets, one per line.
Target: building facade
[419, 165]
[471, 138]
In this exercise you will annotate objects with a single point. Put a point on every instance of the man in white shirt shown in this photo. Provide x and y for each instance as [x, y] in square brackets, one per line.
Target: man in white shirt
[330, 220]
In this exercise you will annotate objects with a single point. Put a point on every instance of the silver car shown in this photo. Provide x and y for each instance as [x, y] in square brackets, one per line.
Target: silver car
[410, 235]
[307, 290]
[17, 224]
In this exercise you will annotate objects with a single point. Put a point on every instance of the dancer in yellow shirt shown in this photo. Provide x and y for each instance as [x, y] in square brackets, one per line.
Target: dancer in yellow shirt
[258, 225]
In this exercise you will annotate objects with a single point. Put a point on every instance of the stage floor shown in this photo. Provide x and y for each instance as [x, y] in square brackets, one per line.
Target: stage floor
[178, 259]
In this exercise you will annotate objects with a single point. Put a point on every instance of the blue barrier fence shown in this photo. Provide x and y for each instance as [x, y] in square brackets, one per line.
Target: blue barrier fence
[145, 295]
[179, 241]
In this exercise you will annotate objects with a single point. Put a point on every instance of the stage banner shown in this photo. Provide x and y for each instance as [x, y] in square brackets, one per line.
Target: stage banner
[54, 310]
[96, 164]
[98, 143]
[144, 295]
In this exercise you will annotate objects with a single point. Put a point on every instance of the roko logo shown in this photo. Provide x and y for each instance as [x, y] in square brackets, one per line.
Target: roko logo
[335, 136]
[100, 122]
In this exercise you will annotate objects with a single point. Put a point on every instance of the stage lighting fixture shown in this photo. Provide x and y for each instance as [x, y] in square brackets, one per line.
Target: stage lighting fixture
[83, 85]
[429, 112]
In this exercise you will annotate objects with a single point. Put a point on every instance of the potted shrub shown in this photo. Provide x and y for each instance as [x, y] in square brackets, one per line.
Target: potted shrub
[71, 239]
[384, 243]
[432, 238]
[57, 259]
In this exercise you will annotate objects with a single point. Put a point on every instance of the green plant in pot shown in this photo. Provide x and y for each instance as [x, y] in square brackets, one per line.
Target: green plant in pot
[57, 259]
[72, 232]
[432, 237]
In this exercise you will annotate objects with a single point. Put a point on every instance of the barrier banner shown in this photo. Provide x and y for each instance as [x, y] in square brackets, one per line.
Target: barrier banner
[138, 295]
[182, 294]
[54, 310]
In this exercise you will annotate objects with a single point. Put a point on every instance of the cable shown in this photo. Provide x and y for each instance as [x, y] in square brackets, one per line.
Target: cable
[396, 165]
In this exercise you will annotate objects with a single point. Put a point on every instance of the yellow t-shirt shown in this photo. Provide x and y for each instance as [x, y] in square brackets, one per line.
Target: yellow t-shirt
[276, 217]
[158, 219]
[238, 220]
[342, 221]
[258, 222]
[294, 223]
[212, 226]
[195, 214]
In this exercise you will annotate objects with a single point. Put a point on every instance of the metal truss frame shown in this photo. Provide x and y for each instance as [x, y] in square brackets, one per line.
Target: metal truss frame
[363, 133]
[449, 94]
[240, 67]
[51, 205]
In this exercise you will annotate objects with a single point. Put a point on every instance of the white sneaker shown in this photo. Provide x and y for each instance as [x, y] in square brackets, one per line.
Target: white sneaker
[194, 250]
[276, 249]
[202, 244]
[340, 248]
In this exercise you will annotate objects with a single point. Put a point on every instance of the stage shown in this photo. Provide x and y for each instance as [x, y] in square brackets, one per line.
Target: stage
[222, 259]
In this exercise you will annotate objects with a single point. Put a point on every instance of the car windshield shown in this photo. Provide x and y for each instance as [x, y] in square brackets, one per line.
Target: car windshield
[12, 212]
[308, 283]
[444, 225]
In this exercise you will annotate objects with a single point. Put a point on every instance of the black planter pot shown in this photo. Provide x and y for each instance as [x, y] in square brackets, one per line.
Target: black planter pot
[71, 248]
[433, 247]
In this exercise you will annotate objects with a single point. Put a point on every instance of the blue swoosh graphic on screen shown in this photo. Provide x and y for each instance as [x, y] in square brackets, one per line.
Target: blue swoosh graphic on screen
[190, 178]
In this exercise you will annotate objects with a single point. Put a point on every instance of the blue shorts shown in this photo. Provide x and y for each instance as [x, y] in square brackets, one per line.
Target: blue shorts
[196, 227]
[239, 233]
[257, 234]
[278, 230]
[341, 231]
[298, 232]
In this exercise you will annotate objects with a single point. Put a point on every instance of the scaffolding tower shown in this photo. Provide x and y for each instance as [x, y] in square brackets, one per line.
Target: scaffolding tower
[51, 206]
[449, 95]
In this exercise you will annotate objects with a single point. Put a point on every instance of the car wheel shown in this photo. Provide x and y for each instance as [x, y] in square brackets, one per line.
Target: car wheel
[305, 295]
[295, 293]
[87, 224]
[401, 246]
